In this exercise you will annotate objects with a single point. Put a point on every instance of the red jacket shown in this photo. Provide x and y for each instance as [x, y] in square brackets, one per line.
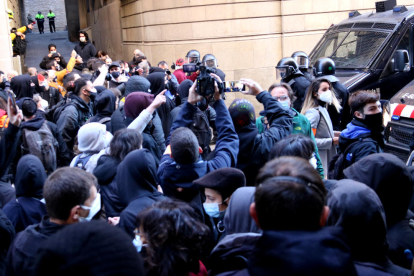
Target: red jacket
[181, 76]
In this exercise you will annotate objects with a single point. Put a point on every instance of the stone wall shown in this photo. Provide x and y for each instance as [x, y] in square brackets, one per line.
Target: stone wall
[57, 6]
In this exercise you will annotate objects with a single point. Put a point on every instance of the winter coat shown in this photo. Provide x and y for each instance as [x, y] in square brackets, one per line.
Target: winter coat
[27, 209]
[7, 234]
[8, 145]
[180, 75]
[52, 96]
[357, 209]
[86, 50]
[25, 247]
[341, 118]
[137, 187]
[45, 60]
[356, 131]
[72, 117]
[389, 177]
[105, 107]
[172, 175]
[319, 120]
[255, 148]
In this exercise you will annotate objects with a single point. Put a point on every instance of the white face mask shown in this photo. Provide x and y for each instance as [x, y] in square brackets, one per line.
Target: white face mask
[313, 162]
[326, 96]
[93, 210]
[82, 39]
[137, 243]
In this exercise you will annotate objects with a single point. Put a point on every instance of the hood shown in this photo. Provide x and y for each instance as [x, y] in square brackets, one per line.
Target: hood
[100, 89]
[91, 138]
[247, 136]
[322, 252]
[105, 103]
[136, 84]
[156, 70]
[136, 102]
[237, 218]
[389, 177]
[21, 86]
[136, 179]
[81, 104]
[105, 170]
[33, 124]
[184, 89]
[157, 81]
[31, 177]
[356, 130]
[357, 209]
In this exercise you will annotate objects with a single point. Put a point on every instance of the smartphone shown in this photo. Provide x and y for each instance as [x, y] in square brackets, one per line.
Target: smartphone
[13, 99]
[168, 72]
[234, 86]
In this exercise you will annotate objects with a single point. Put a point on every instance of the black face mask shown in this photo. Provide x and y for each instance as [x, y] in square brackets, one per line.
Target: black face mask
[92, 96]
[374, 122]
[115, 74]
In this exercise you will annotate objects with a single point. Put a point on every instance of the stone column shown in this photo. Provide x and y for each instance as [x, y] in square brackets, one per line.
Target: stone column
[6, 57]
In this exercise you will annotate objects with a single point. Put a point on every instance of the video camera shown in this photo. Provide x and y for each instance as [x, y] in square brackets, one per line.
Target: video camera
[205, 83]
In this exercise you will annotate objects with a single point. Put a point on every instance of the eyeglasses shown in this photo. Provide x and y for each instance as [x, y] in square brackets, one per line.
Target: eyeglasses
[281, 98]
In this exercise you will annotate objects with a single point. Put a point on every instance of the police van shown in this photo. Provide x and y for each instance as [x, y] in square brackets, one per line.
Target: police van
[372, 51]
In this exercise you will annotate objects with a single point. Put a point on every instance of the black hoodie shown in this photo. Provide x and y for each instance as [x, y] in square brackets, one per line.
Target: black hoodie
[358, 210]
[389, 177]
[27, 208]
[105, 107]
[322, 252]
[137, 186]
[21, 86]
[86, 50]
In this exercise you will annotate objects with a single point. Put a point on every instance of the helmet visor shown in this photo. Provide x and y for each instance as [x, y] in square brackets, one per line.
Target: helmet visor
[210, 63]
[281, 73]
[303, 62]
[192, 59]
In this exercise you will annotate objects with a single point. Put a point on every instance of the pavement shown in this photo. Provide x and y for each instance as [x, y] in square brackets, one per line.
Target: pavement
[37, 47]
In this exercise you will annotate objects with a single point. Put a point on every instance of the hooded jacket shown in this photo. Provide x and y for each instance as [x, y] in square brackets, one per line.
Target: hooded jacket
[137, 186]
[25, 247]
[357, 209]
[105, 107]
[157, 81]
[22, 86]
[356, 131]
[52, 96]
[86, 50]
[183, 92]
[322, 252]
[27, 209]
[242, 233]
[72, 117]
[63, 155]
[389, 177]
[7, 234]
[255, 148]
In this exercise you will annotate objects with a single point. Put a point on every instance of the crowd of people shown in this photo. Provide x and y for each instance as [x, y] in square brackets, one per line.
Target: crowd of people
[107, 168]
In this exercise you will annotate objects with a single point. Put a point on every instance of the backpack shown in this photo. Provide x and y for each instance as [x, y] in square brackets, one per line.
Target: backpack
[19, 46]
[101, 121]
[201, 129]
[82, 161]
[42, 144]
[343, 160]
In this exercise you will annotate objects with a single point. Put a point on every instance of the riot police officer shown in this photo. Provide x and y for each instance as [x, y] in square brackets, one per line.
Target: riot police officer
[210, 62]
[303, 61]
[193, 56]
[287, 70]
[325, 68]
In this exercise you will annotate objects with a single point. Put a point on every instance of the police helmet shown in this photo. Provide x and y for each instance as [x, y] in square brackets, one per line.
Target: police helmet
[302, 59]
[323, 67]
[210, 61]
[286, 67]
[193, 56]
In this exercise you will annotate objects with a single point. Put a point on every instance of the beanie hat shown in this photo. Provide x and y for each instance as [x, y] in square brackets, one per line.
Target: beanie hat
[136, 84]
[242, 113]
[27, 112]
[89, 248]
[136, 102]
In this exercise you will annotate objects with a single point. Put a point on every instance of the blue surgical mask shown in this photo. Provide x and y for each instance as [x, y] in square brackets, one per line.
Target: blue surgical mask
[285, 104]
[212, 209]
[137, 243]
[127, 70]
[93, 210]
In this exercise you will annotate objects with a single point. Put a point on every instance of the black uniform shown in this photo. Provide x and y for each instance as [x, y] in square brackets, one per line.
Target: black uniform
[299, 85]
[341, 119]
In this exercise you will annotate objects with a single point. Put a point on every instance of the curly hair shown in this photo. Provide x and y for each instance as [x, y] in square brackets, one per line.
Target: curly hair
[176, 239]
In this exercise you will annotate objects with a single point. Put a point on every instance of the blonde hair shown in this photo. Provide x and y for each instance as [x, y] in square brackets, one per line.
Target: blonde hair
[311, 101]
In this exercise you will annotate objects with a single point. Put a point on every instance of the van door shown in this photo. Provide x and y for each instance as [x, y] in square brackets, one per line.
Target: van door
[390, 81]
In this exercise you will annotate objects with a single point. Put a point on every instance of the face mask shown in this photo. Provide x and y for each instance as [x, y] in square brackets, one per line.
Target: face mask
[326, 96]
[93, 210]
[137, 243]
[127, 70]
[212, 209]
[285, 104]
[53, 52]
[374, 121]
[82, 39]
[115, 74]
[92, 96]
[313, 162]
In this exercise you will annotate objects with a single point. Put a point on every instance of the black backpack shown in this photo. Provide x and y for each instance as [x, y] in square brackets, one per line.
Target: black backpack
[19, 46]
[201, 129]
[343, 160]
